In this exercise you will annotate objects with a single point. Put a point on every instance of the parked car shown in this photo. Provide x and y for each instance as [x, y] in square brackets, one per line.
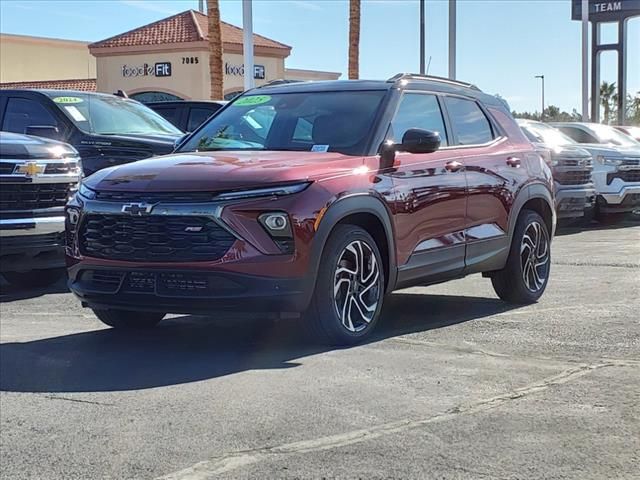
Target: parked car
[633, 132]
[571, 167]
[106, 129]
[318, 198]
[616, 167]
[37, 178]
[186, 115]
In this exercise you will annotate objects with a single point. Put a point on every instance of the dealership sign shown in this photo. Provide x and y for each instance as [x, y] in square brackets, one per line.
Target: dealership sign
[603, 10]
[160, 69]
[238, 70]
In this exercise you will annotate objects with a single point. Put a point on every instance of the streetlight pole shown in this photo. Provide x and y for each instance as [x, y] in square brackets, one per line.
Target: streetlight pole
[452, 39]
[542, 112]
[422, 37]
[247, 43]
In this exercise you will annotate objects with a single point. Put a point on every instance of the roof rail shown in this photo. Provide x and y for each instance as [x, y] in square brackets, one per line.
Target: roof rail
[418, 76]
[279, 81]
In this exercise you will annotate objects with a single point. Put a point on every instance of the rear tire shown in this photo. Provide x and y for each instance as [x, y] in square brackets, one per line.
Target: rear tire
[526, 274]
[128, 319]
[34, 278]
[349, 289]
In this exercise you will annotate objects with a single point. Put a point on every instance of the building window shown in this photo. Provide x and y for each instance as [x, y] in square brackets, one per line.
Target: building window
[146, 97]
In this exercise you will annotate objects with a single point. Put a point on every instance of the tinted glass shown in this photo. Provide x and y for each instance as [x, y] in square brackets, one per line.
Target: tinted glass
[608, 134]
[418, 110]
[578, 135]
[468, 121]
[333, 122]
[170, 113]
[22, 113]
[111, 115]
[539, 132]
[197, 116]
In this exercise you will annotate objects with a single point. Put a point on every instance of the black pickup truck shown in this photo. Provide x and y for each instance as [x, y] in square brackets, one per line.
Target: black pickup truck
[37, 178]
[106, 129]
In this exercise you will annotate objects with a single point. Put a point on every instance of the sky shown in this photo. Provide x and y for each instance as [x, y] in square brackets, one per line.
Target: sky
[502, 44]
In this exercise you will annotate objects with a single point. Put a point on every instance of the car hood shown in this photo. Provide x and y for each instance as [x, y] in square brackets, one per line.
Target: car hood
[599, 149]
[220, 171]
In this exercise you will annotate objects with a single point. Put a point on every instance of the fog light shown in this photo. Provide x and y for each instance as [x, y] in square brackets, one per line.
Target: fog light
[278, 227]
[73, 214]
[275, 221]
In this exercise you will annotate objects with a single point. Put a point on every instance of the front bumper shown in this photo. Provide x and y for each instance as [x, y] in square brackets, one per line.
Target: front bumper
[571, 202]
[31, 243]
[185, 291]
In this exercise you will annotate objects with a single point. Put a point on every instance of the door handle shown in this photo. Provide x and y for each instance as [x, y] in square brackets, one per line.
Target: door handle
[453, 166]
[513, 162]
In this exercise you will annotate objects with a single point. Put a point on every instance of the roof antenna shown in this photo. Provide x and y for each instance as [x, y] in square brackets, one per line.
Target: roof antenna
[121, 93]
[428, 65]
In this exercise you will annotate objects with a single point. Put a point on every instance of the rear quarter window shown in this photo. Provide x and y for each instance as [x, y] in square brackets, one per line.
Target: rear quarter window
[469, 123]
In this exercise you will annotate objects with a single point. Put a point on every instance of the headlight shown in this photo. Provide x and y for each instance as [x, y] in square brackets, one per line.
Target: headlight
[611, 161]
[86, 192]
[265, 192]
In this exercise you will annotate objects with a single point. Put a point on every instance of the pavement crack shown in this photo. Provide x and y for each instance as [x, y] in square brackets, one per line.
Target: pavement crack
[233, 460]
[77, 400]
[596, 264]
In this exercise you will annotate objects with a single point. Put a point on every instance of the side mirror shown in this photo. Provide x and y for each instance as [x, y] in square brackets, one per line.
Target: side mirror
[416, 140]
[179, 141]
[47, 131]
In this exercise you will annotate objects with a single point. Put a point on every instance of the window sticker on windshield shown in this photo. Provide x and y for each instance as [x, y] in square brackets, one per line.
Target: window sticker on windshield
[68, 100]
[252, 100]
[253, 123]
[320, 148]
[75, 113]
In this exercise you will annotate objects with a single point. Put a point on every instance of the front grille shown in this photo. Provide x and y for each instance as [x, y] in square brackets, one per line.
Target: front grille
[172, 197]
[62, 168]
[628, 176]
[575, 162]
[573, 178]
[156, 238]
[6, 168]
[32, 196]
[631, 161]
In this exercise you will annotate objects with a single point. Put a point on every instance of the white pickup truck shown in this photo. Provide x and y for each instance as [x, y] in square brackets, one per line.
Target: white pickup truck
[37, 177]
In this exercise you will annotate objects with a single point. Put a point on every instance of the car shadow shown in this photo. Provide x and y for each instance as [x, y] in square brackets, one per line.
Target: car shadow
[568, 229]
[190, 348]
[11, 293]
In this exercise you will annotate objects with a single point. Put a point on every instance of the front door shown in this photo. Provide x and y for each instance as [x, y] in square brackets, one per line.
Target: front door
[430, 198]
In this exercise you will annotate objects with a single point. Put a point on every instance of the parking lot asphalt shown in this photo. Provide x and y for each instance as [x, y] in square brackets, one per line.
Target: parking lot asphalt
[456, 384]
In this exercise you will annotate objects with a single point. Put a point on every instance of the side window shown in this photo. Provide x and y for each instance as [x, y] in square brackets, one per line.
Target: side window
[418, 110]
[197, 116]
[468, 121]
[170, 113]
[578, 135]
[22, 113]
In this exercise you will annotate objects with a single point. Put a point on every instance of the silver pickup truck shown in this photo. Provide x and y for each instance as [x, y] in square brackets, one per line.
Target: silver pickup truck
[37, 177]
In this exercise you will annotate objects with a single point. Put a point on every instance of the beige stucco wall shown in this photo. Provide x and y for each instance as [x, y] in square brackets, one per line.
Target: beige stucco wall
[25, 58]
[188, 80]
[309, 75]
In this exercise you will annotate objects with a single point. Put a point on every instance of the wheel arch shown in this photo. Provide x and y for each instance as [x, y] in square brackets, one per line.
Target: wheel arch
[368, 212]
[539, 198]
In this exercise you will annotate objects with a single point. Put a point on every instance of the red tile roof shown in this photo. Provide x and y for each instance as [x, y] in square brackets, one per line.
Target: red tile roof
[188, 26]
[81, 84]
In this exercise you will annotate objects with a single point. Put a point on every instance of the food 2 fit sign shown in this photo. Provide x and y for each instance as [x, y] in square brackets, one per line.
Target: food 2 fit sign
[160, 69]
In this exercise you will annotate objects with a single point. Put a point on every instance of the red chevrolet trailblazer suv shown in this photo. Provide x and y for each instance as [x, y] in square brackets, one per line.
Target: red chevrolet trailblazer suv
[318, 198]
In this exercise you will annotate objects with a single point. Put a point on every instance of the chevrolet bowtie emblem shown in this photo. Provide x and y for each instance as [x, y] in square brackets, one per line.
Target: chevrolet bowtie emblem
[137, 209]
[30, 169]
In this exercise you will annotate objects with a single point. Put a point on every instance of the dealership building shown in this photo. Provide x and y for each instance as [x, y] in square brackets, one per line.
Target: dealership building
[164, 60]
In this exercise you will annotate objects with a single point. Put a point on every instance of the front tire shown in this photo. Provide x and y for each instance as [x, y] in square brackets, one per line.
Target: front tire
[349, 289]
[524, 278]
[128, 319]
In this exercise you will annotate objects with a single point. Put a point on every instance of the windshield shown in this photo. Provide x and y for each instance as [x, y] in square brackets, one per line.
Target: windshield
[318, 121]
[539, 132]
[112, 115]
[607, 134]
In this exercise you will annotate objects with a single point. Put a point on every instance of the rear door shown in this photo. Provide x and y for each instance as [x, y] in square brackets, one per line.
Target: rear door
[430, 193]
[495, 172]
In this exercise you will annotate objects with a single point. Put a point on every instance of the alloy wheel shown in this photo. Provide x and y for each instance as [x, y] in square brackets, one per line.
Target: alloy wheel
[357, 286]
[534, 257]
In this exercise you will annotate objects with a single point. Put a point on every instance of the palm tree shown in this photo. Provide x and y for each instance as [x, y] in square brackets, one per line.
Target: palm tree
[354, 39]
[215, 50]
[608, 99]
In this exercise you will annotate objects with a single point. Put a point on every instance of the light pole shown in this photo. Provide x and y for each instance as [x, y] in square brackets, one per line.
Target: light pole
[542, 112]
[421, 37]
